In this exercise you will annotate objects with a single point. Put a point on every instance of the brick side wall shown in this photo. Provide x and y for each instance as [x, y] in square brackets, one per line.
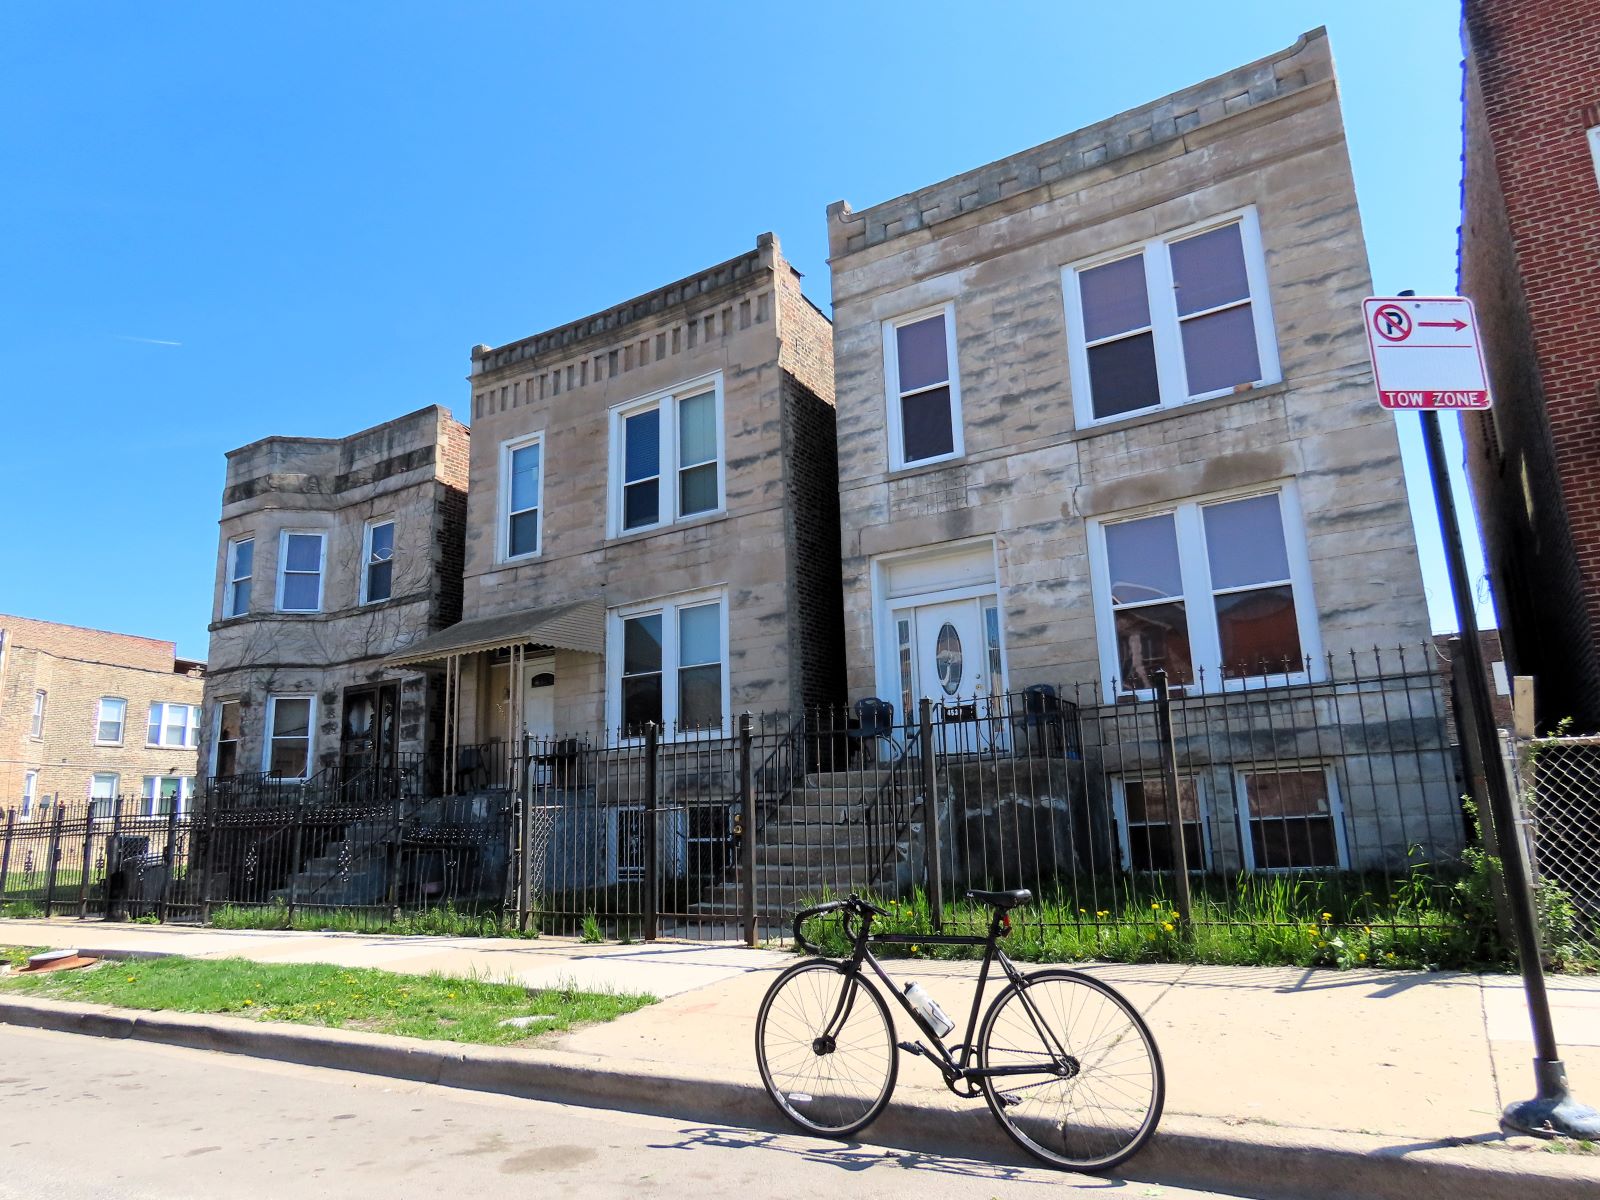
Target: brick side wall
[1511, 457]
[816, 612]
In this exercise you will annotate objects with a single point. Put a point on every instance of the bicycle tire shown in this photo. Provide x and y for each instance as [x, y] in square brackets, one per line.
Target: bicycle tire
[834, 1092]
[1104, 1112]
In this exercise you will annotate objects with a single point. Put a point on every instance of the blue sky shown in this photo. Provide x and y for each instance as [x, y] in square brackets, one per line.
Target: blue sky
[229, 221]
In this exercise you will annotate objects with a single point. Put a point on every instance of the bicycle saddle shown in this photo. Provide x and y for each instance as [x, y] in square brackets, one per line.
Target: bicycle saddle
[1010, 899]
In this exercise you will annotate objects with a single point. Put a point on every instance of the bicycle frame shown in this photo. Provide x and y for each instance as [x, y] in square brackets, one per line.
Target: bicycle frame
[953, 1063]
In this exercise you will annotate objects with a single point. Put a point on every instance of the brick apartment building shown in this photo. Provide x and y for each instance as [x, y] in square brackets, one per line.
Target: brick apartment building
[87, 715]
[1530, 251]
[333, 553]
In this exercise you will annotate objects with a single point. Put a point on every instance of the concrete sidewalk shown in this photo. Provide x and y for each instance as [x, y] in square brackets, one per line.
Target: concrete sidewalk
[1411, 1059]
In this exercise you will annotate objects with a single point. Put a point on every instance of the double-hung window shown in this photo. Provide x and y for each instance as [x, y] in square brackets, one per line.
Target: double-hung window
[164, 794]
[919, 358]
[225, 746]
[667, 457]
[109, 718]
[521, 497]
[668, 665]
[300, 563]
[377, 561]
[1181, 318]
[174, 725]
[1293, 818]
[240, 567]
[36, 721]
[286, 750]
[1144, 830]
[1209, 590]
[30, 789]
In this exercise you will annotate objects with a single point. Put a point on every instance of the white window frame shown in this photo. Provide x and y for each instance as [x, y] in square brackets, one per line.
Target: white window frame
[668, 606]
[158, 718]
[231, 577]
[669, 498]
[366, 557]
[30, 792]
[1171, 371]
[1119, 797]
[152, 793]
[1198, 596]
[1594, 150]
[216, 733]
[116, 789]
[283, 567]
[503, 537]
[270, 734]
[99, 719]
[892, 395]
[41, 698]
[1247, 845]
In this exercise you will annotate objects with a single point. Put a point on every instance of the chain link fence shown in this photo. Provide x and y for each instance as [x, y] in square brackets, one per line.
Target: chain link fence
[1559, 784]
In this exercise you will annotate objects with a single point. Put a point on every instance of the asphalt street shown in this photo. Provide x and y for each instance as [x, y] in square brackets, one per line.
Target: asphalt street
[89, 1117]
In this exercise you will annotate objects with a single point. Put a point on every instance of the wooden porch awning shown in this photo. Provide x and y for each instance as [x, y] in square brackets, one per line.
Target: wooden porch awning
[578, 625]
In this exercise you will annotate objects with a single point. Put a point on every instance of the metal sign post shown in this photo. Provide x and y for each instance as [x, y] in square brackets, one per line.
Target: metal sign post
[1552, 1112]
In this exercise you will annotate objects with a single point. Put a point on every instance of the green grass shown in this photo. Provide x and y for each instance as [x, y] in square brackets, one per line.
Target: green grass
[1277, 920]
[16, 956]
[444, 921]
[437, 1007]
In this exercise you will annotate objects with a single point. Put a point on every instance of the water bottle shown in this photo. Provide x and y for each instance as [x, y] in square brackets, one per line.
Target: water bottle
[928, 1008]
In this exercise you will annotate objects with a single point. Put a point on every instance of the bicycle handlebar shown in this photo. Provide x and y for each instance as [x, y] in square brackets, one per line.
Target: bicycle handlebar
[854, 904]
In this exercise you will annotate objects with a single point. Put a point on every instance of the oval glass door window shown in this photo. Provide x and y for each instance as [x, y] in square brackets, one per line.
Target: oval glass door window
[947, 658]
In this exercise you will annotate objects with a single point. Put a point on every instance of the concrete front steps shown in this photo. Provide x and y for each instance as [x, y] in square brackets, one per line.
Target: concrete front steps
[352, 870]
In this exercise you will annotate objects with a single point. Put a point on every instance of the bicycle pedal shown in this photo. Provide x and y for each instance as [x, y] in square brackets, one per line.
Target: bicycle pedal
[1009, 1099]
[913, 1048]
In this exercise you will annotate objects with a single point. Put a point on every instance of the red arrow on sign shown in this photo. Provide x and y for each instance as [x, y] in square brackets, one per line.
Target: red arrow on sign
[1458, 324]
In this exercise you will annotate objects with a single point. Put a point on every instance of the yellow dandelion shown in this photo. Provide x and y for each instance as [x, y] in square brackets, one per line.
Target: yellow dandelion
[1367, 929]
[1103, 913]
[1361, 958]
[1155, 904]
[130, 979]
[1327, 916]
[1174, 916]
[1083, 912]
[1167, 925]
[248, 1002]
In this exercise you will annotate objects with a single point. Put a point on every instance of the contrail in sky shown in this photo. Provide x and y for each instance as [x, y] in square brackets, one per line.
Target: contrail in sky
[147, 341]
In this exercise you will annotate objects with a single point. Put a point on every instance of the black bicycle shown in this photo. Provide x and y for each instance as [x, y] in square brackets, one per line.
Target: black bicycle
[1067, 1066]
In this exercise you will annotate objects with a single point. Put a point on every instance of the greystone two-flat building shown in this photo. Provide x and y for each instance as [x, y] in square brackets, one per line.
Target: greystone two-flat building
[652, 534]
[331, 552]
[1105, 407]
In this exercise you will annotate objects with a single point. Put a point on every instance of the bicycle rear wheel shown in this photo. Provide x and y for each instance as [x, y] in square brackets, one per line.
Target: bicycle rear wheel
[826, 1049]
[1089, 1085]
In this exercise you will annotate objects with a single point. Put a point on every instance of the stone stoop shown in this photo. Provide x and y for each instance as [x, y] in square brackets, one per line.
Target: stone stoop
[327, 880]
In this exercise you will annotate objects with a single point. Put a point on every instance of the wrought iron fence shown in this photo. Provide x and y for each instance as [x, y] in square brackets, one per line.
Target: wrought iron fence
[1321, 807]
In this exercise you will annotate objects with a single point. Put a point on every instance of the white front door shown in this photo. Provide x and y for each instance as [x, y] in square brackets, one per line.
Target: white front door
[539, 698]
[952, 670]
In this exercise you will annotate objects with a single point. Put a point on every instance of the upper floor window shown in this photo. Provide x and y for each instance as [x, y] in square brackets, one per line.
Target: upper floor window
[1594, 150]
[36, 722]
[1181, 318]
[919, 357]
[666, 457]
[286, 750]
[377, 559]
[521, 496]
[300, 561]
[1216, 586]
[667, 664]
[174, 725]
[109, 718]
[240, 568]
[225, 746]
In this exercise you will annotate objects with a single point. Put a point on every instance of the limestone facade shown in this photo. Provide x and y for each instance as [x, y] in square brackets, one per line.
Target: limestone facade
[673, 453]
[1013, 517]
[355, 550]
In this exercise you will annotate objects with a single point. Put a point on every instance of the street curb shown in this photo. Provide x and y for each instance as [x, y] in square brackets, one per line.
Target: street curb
[1267, 1161]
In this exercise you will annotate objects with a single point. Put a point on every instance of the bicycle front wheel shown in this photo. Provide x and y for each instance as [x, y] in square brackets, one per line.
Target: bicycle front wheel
[1084, 1086]
[826, 1049]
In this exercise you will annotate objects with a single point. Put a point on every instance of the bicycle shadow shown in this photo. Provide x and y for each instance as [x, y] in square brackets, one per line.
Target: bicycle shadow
[857, 1157]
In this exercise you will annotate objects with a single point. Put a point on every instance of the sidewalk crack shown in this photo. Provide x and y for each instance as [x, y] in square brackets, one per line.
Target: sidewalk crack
[1488, 1044]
